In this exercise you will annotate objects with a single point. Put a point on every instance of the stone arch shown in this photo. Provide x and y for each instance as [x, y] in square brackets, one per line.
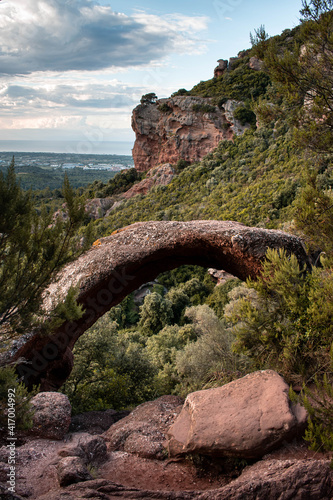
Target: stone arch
[118, 264]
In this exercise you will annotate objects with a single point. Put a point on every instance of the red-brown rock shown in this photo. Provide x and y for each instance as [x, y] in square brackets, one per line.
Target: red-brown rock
[186, 130]
[266, 480]
[52, 415]
[245, 418]
[221, 68]
[72, 470]
[143, 432]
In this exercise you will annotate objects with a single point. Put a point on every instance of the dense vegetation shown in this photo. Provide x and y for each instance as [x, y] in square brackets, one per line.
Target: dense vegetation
[189, 334]
[38, 178]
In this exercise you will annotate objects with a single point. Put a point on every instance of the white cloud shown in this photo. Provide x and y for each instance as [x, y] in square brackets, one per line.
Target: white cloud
[66, 35]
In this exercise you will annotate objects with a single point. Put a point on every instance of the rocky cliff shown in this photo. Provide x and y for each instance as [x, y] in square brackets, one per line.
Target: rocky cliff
[181, 127]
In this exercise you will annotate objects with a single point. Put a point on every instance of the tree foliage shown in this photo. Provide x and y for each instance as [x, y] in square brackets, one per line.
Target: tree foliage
[148, 98]
[33, 246]
[281, 320]
[304, 74]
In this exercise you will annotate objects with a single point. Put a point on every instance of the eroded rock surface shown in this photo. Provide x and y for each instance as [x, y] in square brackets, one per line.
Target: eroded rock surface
[72, 470]
[273, 480]
[52, 415]
[143, 432]
[181, 127]
[120, 263]
[291, 472]
[245, 418]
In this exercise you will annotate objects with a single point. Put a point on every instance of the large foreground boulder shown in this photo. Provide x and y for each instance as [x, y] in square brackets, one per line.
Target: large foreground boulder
[52, 415]
[246, 418]
[144, 431]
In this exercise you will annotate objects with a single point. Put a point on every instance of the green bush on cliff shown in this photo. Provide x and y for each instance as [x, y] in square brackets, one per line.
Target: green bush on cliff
[240, 84]
[203, 108]
[245, 115]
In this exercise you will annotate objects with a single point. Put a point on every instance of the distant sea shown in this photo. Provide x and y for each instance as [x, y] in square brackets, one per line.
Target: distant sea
[79, 147]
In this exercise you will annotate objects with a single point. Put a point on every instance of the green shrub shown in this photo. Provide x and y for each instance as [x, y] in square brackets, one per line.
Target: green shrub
[23, 409]
[180, 92]
[203, 108]
[164, 108]
[111, 370]
[245, 115]
[209, 360]
[282, 320]
[319, 404]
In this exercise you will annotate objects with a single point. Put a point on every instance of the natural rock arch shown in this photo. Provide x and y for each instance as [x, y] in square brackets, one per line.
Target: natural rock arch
[120, 263]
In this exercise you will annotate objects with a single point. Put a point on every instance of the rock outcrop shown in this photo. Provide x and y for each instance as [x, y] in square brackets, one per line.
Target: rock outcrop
[256, 64]
[97, 207]
[221, 68]
[246, 418]
[273, 480]
[159, 176]
[144, 431]
[118, 264]
[181, 127]
[52, 415]
[277, 479]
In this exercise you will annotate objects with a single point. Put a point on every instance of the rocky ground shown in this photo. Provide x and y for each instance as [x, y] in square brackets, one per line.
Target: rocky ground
[109, 454]
[127, 475]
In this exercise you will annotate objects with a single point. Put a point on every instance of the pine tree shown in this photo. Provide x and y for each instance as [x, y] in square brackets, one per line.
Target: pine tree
[33, 247]
[304, 75]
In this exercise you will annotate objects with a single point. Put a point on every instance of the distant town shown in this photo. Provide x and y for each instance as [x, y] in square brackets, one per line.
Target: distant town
[46, 170]
[65, 161]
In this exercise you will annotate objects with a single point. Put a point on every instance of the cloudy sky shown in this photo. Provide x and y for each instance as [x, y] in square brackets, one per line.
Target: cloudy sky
[74, 69]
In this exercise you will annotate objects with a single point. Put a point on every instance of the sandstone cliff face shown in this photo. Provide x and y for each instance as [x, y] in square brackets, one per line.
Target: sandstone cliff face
[182, 129]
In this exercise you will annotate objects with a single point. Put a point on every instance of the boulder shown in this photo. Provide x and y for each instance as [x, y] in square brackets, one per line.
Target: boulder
[72, 470]
[256, 63]
[91, 449]
[245, 418]
[277, 480]
[52, 415]
[143, 432]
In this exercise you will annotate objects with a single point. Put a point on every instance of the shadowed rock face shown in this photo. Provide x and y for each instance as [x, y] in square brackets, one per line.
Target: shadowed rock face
[118, 264]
